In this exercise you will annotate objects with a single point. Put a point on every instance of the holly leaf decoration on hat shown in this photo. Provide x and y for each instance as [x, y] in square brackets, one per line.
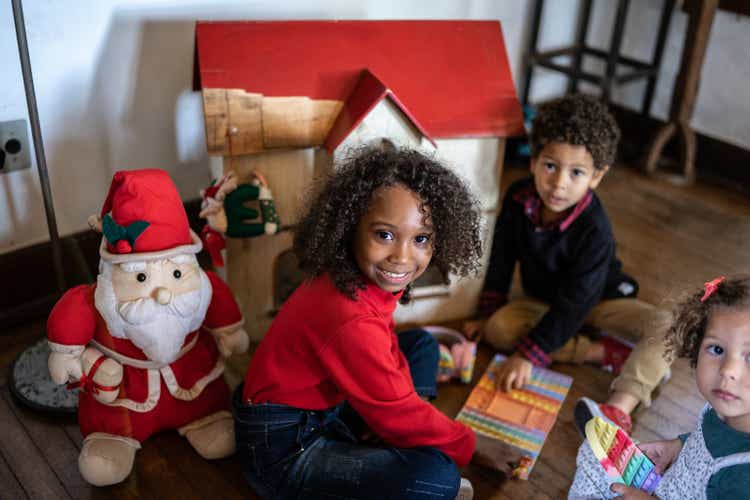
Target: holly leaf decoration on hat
[122, 237]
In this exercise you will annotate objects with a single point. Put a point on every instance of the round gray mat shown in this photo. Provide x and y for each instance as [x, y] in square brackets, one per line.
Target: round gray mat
[31, 384]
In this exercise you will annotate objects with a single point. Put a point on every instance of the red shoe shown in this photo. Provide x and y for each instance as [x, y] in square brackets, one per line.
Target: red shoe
[616, 352]
[586, 409]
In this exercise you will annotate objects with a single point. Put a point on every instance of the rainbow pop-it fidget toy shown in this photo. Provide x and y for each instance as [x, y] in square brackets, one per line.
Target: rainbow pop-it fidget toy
[620, 457]
[521, 419]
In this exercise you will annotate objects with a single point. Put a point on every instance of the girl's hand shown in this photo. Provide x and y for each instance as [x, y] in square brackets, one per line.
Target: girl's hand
[514, 373]
[662, 453]
[473, 329]
[628, 493]
[495, 455]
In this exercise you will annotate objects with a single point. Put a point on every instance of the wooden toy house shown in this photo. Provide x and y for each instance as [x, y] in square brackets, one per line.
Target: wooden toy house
[291, 98]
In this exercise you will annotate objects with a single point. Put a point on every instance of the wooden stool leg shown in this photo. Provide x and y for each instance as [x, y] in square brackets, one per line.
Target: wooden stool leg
[701, 14]
[686, 136]
[687, 152]
[657, 146]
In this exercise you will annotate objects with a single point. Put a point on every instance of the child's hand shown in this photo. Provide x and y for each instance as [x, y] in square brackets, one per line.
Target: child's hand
[662, 453]
[473, 328]
[514, 373]
[495, 455]
[628, 493]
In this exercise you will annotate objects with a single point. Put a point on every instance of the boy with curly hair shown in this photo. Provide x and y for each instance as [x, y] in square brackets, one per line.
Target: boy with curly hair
[555, 226]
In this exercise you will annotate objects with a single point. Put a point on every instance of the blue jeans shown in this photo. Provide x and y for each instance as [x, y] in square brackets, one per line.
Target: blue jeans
[288, 452]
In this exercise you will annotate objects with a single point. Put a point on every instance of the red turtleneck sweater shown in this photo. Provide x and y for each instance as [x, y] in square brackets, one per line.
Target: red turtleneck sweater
[324, 348]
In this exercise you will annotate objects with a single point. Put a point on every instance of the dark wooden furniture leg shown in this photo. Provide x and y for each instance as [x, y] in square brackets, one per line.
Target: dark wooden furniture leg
[701, 14]
[583, 29]
[531, 54]
[614, 49]
[661, 39]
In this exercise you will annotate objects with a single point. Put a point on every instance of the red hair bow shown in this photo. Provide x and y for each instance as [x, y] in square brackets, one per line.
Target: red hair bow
[711, 287]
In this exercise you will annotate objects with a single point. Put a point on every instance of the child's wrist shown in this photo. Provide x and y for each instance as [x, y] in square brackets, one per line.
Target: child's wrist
[533, 353]
[490, 301]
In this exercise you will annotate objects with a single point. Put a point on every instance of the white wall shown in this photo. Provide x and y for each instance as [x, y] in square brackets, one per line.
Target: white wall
[113, 84]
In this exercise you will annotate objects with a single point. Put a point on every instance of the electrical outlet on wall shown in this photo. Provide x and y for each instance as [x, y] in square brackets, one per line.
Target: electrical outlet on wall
[14, 146]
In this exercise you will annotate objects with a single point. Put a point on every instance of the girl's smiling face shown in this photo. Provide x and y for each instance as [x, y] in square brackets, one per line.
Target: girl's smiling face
[723, 369]
[393, 242]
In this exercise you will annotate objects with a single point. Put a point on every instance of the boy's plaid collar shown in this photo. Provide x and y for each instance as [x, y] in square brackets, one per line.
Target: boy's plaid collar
[532, 207]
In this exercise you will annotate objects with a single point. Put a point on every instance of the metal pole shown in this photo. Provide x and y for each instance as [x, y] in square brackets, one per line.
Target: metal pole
[36, 131]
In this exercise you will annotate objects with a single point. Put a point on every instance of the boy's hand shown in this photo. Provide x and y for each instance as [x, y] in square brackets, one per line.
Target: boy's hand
[514, 373]
[628, 493]
[662, 453]
[495, 455]
[473, 328]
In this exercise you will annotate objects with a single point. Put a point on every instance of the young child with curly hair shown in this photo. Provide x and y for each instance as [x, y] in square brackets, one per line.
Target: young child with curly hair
[333, 405]
[555, 226]
[711, 328]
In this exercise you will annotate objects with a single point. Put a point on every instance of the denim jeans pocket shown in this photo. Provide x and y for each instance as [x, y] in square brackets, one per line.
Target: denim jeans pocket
[272, 441]
[268, 444]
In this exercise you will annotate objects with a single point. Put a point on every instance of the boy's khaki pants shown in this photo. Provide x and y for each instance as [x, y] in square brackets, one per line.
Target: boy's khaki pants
[631, 319]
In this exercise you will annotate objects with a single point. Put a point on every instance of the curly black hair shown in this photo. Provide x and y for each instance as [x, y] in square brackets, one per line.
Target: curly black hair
[690, 318]
[580, 120]
[324, 236]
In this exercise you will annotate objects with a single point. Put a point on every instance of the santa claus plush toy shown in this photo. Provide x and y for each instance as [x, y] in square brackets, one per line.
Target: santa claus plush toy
[146, 343]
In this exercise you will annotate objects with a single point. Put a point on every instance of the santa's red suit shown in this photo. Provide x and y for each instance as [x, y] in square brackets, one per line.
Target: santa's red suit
[151, 396]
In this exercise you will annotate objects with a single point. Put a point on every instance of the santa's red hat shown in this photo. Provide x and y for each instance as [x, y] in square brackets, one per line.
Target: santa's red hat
[143, 218]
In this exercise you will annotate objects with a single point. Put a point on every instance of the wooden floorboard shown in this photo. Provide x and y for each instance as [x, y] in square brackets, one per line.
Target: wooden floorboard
[74, 434]
[9, 484]
[30, 467]
[53, 443]
[159, 475]
[671, 239]
[203, 476]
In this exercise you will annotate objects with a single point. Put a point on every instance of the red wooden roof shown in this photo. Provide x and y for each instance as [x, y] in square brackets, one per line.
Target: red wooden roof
[369, 91]
[453, 76]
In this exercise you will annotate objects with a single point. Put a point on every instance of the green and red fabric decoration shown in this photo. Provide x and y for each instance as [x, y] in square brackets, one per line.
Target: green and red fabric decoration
[225, 208]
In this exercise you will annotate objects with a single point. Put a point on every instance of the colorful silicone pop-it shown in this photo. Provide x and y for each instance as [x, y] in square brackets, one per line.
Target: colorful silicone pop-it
[620, 457]
[521, 418]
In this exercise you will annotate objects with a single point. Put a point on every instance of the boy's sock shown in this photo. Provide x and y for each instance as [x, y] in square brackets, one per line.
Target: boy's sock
[586, 409]
[466, 490]
[616, 352]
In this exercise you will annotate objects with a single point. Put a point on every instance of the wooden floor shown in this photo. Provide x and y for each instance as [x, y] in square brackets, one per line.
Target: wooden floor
[669, 238]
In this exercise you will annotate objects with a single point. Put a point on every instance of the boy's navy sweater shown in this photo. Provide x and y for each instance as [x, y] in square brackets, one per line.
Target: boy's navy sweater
[571, 269]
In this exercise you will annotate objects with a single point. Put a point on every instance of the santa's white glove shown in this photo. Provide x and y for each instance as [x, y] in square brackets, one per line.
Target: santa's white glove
[64, 363]
[235, 342]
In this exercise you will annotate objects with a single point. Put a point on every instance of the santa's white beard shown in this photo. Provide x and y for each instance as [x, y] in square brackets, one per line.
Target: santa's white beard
[158, 330]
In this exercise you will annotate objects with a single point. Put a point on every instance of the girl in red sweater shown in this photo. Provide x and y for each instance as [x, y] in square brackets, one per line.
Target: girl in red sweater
[334, 403]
